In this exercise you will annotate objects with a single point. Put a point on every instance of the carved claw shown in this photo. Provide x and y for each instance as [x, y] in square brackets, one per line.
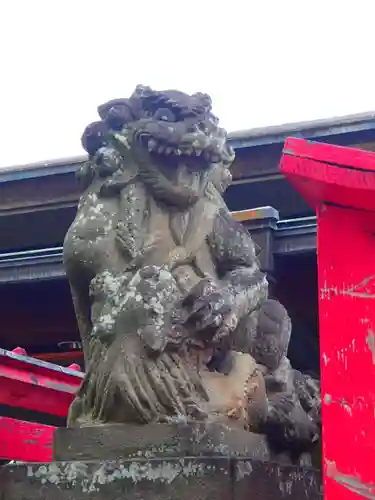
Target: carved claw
[204, 287]
[210, 313]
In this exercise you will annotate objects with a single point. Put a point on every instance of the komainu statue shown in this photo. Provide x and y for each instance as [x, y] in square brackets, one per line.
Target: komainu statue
[172, 307]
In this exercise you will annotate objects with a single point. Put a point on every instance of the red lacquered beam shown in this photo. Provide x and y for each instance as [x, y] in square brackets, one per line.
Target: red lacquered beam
[330, 175]
[36, 385]
[25, 441]
[340, 183]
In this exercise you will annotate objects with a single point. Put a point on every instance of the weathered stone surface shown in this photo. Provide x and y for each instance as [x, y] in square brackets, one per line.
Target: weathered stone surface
[171, 301]
[111, 442]
[160, 479]
[273, 482]
[169, 479]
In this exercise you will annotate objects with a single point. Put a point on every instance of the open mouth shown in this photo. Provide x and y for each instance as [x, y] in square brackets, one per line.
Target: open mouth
[193, 148]
[183, 139]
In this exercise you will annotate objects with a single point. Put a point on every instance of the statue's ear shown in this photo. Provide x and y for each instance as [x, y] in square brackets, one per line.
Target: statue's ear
[204, 100]
[141, 91]
[203, 97]
[104, 109]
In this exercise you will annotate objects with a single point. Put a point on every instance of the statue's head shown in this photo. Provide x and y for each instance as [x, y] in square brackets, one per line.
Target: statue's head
[172, 126]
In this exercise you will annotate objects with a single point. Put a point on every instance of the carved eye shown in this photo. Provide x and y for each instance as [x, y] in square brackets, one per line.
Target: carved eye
[164, 114]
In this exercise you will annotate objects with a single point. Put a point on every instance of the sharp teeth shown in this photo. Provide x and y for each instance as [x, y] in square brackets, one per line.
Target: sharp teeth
[152, 144]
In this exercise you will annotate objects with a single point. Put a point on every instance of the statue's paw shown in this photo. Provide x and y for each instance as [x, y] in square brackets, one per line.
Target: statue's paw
[204, 287]
[212, 315]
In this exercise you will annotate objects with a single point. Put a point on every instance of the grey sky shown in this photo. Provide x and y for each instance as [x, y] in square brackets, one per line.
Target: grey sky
[264, 62]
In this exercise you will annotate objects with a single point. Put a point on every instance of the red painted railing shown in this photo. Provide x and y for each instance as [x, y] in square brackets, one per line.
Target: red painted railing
[30, 384]
[25, 441]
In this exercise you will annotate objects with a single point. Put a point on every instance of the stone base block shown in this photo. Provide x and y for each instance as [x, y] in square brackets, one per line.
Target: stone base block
[201, 461]
[211, 478]
[110, 442]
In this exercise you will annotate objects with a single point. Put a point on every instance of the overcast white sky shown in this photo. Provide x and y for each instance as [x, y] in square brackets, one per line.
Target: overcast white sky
[264, 62]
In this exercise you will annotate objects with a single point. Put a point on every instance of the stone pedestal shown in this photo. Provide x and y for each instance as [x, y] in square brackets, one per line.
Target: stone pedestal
[169, 462]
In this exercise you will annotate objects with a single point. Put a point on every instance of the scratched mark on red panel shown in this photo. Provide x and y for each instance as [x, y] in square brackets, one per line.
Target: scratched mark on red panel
[328, 400]
[350, 482]
[341, 353]
[365, 289]
[370, 341]
[355, 404]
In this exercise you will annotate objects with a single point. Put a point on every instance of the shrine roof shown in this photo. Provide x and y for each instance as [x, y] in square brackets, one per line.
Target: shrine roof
[361, 123]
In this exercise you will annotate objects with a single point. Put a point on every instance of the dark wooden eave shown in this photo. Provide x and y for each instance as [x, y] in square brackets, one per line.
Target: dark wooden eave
[317, 129]
[260, 136]
[38, 201]
[289, 237]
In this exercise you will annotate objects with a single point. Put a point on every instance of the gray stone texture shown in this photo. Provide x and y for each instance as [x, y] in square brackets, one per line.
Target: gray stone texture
[190, 478]
[110, 442]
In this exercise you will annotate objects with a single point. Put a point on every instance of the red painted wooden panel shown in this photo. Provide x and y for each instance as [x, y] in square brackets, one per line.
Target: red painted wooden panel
[36, 385]
[325, 182]
[346, 269]
[25, 441]
[347, 323]
[330, 155]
